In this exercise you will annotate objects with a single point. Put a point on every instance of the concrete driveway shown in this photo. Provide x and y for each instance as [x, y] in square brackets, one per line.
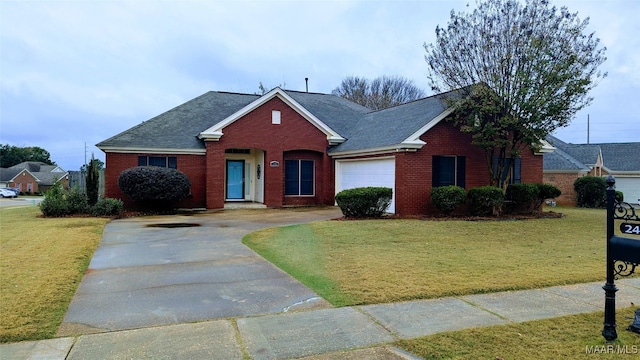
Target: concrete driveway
[161, 270]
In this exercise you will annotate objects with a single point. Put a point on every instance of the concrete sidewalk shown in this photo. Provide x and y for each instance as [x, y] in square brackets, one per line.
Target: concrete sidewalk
[359, 332]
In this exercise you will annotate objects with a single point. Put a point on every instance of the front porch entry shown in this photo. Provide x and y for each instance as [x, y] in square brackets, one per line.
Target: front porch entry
[244, 180]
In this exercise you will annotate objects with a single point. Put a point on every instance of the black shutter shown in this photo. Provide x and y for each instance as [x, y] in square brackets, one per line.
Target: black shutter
[517, 170]
[460, 171]
[435, 171]
[142, 161]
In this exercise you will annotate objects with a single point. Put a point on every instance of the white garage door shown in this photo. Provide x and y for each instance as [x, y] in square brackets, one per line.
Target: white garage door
[630, 187]
[362, 173]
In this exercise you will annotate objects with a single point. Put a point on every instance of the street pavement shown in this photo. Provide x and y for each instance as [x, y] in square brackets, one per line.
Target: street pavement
[184, 287]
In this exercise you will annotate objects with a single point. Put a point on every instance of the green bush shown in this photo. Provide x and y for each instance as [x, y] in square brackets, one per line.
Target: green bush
[447, 198]
[364, 201]
[107, 207]
[77, 201]
[521, 197]
[486, 200]
[528, 198]
[619, 196]
[54, 203]
[591, 191]
[155, 188]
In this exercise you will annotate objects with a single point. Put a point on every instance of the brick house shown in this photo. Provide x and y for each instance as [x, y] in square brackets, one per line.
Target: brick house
[33, 176]
[571, 161]
[289, 148]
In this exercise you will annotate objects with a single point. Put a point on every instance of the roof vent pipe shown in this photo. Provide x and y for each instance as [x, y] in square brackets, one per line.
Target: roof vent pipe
[306, 80]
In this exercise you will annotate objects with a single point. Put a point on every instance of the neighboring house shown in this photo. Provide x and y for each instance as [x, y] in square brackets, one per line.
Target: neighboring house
[290, 148]
[571, 161]
[33, 176]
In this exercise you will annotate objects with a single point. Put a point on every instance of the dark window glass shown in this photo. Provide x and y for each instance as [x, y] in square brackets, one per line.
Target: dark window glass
[291, 177]
[306, 177]
[172, 162]
[448, 170]
[298, 177]
[515, 171]
[161, 161]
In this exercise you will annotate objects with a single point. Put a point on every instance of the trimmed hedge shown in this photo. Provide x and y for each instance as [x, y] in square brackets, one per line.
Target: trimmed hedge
[447, 198]
[154, 187]
[107, 207]
[364, 201]
[485, 201]
[591, 191]
[528, 198]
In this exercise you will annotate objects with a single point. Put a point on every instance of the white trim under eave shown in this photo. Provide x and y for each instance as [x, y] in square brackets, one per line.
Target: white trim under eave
[108, 149]
[402, 147]
[426, 127]
[214, 133]
[545, 147]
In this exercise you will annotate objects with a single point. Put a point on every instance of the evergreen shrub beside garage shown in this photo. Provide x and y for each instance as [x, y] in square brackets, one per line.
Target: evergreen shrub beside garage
[364, 201]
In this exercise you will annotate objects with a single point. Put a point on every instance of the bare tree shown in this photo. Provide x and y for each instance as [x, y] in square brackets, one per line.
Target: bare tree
[523, 70]
[379, 93]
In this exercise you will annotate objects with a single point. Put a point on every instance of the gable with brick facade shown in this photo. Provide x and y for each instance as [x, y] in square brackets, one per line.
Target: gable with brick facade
[288, 148]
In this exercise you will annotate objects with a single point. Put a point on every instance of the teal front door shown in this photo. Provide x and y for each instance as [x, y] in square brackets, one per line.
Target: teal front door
[235, 179]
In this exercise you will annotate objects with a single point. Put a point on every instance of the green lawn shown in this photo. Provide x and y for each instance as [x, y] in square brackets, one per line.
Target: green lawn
[568, 337]
[378, 261]
[42, 261]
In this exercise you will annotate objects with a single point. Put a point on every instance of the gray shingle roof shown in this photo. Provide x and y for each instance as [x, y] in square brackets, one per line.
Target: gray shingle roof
[393, 125]
[560, 160]
[621, 156]
[363, 128]
[179, 127]
[43, 172]
[615, 156]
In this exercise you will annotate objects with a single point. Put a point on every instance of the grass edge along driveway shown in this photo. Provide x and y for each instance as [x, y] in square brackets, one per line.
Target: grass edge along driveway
[379, 261]
[42, 261]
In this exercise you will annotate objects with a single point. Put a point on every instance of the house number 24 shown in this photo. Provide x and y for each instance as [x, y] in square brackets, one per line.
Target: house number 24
[630, 228]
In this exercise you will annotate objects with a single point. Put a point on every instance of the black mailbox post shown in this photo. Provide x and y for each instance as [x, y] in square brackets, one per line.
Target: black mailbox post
[623, 253]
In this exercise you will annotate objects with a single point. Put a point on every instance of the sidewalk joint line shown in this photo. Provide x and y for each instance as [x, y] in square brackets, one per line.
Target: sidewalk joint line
[484, 309]
[376, 321]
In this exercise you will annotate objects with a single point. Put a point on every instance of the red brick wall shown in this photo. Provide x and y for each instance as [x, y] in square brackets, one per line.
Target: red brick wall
[256, 131]
[191, 165]
[22, 181]
[564, 182]
[414, 175]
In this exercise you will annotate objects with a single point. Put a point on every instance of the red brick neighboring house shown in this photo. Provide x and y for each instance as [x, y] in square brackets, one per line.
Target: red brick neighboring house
[33, 176]
[571, 161]
[296, 148]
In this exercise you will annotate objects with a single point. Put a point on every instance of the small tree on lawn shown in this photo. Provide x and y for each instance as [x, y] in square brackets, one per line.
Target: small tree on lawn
[93, 180]
[520, 71]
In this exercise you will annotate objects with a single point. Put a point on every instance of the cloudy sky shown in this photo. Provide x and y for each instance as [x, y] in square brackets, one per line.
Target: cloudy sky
[78, 72]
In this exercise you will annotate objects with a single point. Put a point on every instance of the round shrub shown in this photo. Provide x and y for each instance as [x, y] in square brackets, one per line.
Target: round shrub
[548, 191]
[521, 197]
[107, 207]
[54, 203]
[486, 200]
[528, 198]
[77, 201]
[364, 201]
[154, 186]
[619, 196]
[447, 198]
[590, 191]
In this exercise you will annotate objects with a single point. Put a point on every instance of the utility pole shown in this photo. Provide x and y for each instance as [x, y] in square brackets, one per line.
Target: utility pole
[587, 128]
